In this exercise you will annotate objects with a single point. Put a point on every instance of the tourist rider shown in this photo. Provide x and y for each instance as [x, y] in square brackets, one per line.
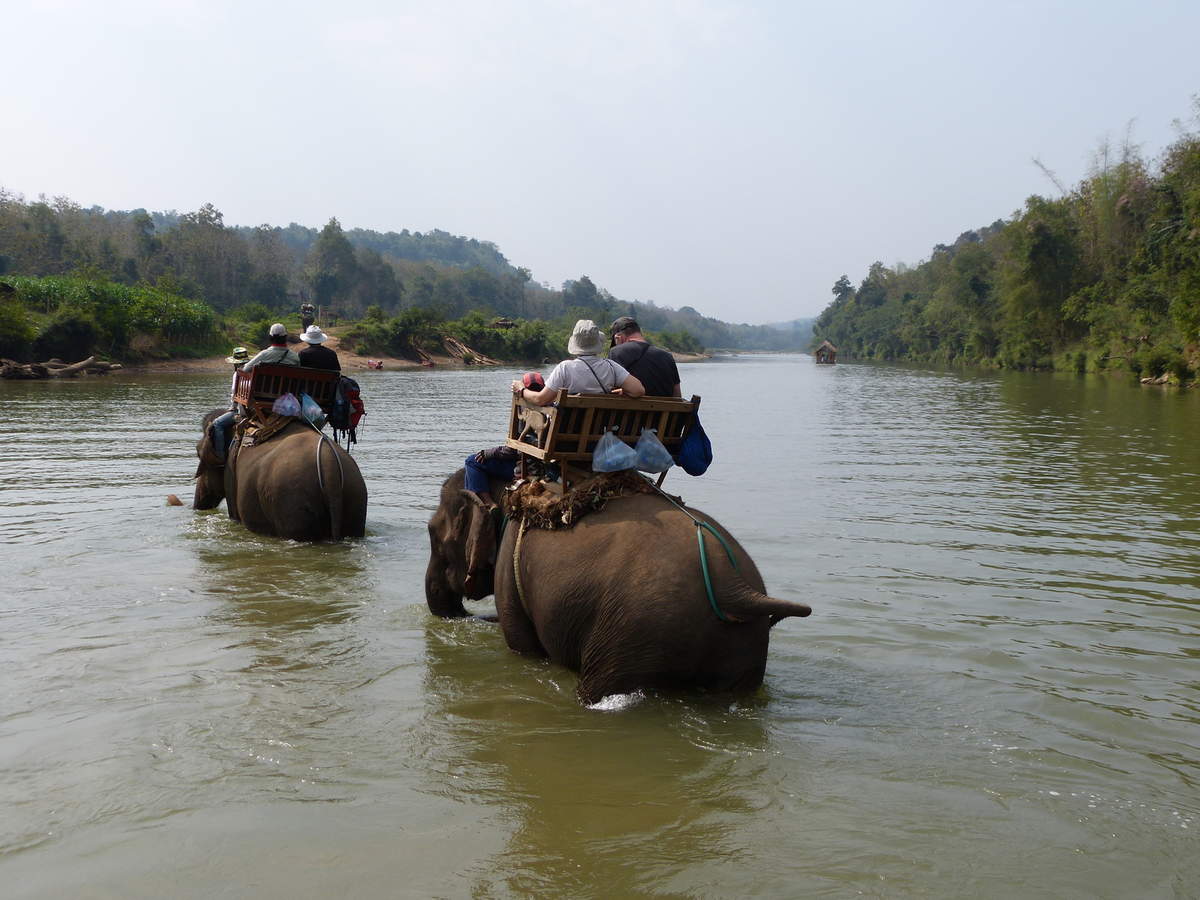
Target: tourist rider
[654, 367]
[585, 372]
[315, 356]
[277, 354]
[221, 433]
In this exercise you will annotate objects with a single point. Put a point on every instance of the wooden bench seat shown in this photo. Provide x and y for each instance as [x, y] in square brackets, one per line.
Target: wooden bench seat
[566, 432]
[258, 389]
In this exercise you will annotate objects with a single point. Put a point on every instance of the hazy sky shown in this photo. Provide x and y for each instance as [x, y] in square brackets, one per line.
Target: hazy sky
[732, 156]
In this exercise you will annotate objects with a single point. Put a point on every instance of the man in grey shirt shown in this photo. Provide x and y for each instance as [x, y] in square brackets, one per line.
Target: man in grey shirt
[277, 354]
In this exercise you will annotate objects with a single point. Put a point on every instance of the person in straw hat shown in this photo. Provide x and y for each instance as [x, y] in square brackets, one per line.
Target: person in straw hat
[586, 372]
[221, 424]
[314, 356]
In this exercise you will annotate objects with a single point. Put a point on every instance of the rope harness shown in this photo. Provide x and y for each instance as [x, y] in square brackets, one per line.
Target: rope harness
[701, 527]
[517, 562]
[322, 436]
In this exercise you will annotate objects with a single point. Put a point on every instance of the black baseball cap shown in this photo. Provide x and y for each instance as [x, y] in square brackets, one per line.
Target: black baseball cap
[620, 325]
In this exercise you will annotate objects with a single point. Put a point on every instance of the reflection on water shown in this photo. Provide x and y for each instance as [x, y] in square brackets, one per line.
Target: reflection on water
[995, 695]
[576, 785]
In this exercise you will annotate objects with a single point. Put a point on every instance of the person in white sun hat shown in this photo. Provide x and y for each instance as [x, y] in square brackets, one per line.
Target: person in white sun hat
[316, 356]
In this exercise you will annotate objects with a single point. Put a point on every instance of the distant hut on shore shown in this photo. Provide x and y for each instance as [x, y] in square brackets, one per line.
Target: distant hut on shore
[504, 323]
[826, 354]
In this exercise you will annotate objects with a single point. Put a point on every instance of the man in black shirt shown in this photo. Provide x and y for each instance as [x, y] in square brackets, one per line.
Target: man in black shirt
[653, 367]
[314, 356]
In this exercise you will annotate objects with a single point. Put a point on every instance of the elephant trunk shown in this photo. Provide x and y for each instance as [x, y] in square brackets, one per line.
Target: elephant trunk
[442, 599]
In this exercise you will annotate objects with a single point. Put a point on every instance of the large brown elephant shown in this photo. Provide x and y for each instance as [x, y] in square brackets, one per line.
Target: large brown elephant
[619, 598]
[297, 485]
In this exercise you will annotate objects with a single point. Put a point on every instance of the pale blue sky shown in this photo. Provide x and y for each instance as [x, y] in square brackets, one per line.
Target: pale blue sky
[734, 157]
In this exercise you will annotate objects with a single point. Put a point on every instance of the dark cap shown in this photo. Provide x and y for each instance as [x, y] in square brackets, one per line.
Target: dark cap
[622, 324]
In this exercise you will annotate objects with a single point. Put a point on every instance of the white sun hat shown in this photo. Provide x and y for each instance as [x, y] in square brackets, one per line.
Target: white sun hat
[585, 339]
[314, 335]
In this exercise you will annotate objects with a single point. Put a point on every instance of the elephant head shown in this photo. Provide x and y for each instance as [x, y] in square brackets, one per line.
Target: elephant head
[462, 545]
[210, 472]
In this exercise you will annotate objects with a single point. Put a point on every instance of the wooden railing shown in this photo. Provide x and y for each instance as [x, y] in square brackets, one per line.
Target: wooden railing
[259, 388]
[566, 432]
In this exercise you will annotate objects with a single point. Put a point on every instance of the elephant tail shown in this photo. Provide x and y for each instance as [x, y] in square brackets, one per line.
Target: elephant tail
[742, 602]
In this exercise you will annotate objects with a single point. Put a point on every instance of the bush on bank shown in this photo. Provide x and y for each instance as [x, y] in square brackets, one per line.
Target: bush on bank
[72, 317]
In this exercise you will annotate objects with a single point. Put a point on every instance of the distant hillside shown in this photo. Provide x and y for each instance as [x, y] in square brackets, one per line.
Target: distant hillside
[345, 272]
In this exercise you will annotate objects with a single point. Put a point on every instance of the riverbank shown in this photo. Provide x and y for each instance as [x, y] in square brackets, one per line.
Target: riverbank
[350, 361]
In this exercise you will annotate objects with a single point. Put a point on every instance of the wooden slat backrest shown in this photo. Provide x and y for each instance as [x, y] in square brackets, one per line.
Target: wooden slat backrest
[578, 421]
[259, 388]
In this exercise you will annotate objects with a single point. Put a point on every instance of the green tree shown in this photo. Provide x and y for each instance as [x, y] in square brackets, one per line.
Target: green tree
[332, 269]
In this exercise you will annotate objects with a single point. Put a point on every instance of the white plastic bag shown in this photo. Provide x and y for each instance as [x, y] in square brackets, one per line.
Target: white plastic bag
[311, 410]
[286, 405]
[612, 454]
[652, 456]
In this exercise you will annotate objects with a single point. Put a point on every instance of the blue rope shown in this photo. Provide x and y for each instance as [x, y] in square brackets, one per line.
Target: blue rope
[701, 527]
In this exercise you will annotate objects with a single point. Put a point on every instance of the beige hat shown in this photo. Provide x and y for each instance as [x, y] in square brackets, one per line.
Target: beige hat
[314, 335]
[585, 339]
[278, 331]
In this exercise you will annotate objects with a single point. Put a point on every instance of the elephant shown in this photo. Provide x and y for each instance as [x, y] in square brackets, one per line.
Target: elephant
[619, 598]
[297, 485]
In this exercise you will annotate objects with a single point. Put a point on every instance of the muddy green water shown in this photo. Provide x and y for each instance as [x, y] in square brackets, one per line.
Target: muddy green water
[998, 693]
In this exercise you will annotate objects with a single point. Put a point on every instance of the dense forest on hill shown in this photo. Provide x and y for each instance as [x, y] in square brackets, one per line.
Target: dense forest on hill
[70, 270]
[1105, 276]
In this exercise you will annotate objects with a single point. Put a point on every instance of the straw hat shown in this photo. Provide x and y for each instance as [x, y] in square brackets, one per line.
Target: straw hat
[314, 335]
[585, 339]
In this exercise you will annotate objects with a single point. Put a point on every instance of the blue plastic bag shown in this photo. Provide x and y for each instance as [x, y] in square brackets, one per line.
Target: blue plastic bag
[612, 454]
[652, 456]
[311, 410]
[695, 453]
[286, 405]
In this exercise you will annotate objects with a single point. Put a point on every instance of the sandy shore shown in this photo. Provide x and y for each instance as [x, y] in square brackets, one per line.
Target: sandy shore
[350, 361]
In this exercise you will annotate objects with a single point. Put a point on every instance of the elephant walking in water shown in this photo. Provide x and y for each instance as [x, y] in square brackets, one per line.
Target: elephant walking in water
[620, 597]
[297, 485]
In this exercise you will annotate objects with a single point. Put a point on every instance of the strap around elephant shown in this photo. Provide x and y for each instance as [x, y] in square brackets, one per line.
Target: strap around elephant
[701, 527]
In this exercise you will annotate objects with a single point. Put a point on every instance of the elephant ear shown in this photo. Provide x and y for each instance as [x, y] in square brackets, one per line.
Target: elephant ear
[480, 545]
[208, 456]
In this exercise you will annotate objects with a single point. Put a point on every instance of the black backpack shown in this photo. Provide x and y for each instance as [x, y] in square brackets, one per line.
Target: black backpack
[347, 410]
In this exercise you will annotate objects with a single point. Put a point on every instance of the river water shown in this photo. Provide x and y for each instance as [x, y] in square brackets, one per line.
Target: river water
[997, 694]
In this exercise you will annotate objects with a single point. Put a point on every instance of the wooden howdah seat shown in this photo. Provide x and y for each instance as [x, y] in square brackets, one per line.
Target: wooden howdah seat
[258, 389]
[566, 432]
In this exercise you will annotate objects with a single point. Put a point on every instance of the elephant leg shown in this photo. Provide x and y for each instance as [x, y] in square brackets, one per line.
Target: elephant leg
[605, 670]
[519, 633]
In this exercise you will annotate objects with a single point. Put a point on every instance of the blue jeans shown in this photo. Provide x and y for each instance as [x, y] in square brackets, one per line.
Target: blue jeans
[477, 473]
[221, 434]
